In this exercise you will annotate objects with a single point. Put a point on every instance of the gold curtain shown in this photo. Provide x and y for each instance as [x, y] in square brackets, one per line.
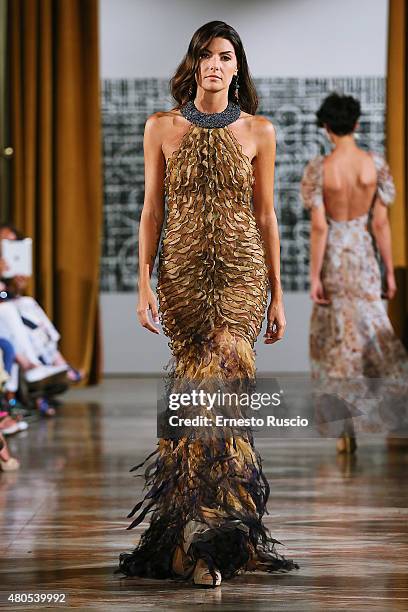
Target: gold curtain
[57, 167]
[397, 151]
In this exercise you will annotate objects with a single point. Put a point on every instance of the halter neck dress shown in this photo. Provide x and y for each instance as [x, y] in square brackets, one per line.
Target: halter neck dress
[207, 493]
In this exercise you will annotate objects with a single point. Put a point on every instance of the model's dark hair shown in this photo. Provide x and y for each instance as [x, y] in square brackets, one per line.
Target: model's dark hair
[340, 113]
[183, 85]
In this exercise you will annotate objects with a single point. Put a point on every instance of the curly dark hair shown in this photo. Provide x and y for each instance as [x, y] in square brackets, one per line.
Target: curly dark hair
[183, 85]
[340, 113]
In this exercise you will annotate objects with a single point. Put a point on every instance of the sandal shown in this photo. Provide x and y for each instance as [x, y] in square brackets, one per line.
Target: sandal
[74, 375]
[46, 410]
[7, 463]
[9, 426]
[346, 444]
[203, 577]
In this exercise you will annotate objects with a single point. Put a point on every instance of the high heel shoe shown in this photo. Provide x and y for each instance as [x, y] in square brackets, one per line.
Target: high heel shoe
[346, 444]
[203, 577]
[44, 407]
[7, 463]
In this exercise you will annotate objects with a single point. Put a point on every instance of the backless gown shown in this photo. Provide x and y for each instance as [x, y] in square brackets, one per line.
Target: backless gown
[352, 338]
[207, 494]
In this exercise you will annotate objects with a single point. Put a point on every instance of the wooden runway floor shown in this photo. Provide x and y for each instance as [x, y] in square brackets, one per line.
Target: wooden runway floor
[63, 517]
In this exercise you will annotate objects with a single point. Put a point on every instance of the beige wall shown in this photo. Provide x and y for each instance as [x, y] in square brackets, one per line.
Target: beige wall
[286, 38]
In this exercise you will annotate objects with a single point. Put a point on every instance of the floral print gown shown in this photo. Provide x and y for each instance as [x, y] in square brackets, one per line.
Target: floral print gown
[352, 338]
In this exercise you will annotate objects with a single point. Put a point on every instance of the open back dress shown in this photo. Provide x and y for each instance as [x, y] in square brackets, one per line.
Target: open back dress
[352, 337]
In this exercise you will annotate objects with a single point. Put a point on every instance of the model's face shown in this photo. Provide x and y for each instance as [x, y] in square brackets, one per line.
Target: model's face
[7, 234]
[218, 64]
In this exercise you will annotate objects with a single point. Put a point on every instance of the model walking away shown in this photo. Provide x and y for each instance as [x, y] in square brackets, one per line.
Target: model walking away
[351, 336]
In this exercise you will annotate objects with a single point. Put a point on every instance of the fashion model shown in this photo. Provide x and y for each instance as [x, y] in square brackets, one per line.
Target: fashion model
[351, 336]
[214, 162]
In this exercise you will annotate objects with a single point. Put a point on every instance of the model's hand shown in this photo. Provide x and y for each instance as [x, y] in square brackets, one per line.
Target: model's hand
[391, 285]
[317, 292]
[276, 322]
[147, 301]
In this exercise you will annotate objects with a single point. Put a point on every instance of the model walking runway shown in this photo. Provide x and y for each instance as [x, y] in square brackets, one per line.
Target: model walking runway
[207, 494]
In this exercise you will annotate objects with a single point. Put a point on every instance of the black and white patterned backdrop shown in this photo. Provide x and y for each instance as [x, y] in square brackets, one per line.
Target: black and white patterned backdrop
[290, 103]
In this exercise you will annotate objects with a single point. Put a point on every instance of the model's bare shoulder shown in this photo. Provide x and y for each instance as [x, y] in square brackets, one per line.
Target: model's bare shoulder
[264, 133]
[258, 124]
[263, 126]
[157, 120]
[154, 126]
[161, 122]
[157, 125]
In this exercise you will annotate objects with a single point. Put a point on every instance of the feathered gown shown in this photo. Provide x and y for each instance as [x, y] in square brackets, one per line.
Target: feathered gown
[207, 494]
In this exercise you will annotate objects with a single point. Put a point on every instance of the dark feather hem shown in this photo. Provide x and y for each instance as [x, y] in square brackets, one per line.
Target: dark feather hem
[235, 539]
[228, 551]
[206, 494]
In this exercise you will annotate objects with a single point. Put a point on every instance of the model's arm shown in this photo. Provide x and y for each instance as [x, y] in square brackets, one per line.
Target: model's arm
[318, 239]
[151, 222]
[264, 210]
[382, 233]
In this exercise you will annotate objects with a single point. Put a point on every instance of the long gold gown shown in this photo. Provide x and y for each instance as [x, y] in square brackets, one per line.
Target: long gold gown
[207, 494]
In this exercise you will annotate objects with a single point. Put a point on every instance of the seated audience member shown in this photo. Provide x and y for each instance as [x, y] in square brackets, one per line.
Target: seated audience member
[13, 330]
[8, 425]
[24, 323]
[43, 335]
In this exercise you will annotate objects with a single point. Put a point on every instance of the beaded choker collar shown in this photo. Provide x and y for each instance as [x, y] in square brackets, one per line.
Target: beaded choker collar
[211, 120]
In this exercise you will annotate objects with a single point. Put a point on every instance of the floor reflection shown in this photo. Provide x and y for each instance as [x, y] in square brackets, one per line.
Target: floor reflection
[63, 516]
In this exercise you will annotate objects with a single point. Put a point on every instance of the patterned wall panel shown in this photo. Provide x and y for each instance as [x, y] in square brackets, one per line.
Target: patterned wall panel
[289, 103]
